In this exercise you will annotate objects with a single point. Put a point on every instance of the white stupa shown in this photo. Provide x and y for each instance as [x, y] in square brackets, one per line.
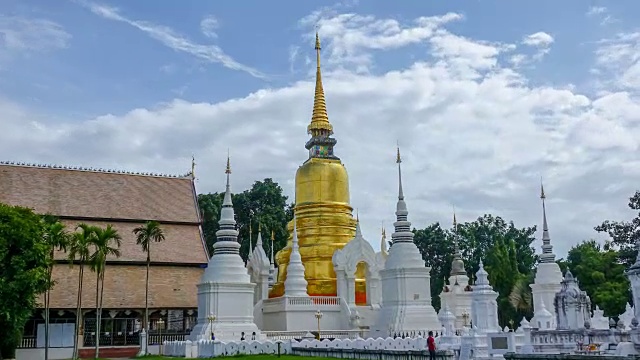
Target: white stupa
[548, 278]
[258, 267]
[295, 284]
[406, 281]
[484, 308]
[225, 292]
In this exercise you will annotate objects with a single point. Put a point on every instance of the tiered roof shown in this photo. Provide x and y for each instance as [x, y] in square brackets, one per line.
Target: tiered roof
[125, 200]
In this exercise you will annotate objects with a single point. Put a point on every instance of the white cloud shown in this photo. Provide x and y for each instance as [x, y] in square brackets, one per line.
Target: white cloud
[541, 44]
[171, 39]
[540, 39]
[596, 10]
[351, 36]
[209, 25]
[19, 34]
[618, 61]
[602, 13]
[473, 133]
[293, 55]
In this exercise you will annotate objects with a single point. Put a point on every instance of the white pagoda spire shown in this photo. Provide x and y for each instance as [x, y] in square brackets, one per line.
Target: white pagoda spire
[225, 289]
[258, 255]
[402, 226]
[227, 235]
[547, 249]
[482, 279]
[259, 240]
[406, 288]
[295, 283]
[548, 278]
[457, 265]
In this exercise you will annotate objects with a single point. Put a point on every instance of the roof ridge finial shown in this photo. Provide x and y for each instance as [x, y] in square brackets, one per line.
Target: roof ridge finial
[193, 166]
[357, 215]
[319, 117]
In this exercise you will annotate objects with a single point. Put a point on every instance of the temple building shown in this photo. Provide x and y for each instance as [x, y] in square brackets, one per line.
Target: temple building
[125, 201]
[328, 267]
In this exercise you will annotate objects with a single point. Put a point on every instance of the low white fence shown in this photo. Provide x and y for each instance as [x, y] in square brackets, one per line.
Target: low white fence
[209, 348]
[213, 348]
[325, 334]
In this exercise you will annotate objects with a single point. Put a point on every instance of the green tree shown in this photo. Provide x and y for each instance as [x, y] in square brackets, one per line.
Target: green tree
[210, 206]
[601, 275]
[145, 235]
[624, 234]
[24, 267]
[508, 257]
[265, 200]
[79, 252]
[107, 243]
[479, 238]
[57, 237]
[505, 250]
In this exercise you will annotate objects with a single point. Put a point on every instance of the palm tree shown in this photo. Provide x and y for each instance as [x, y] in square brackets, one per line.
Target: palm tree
[145, 235]
[103, 248]
[520, 297]
[57, 238]
[79, 248]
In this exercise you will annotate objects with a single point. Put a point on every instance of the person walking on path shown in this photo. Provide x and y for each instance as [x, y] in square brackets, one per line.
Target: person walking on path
[431, 345]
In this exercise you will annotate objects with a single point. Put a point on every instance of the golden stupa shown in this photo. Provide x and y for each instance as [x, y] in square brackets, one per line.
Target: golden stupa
[324, 216]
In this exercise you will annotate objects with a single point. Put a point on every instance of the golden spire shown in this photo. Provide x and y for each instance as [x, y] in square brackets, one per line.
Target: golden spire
[398, 159]
[319, 118]
[273, 236]
[228, 170]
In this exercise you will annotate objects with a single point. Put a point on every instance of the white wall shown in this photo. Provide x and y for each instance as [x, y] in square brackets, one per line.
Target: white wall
[38, 354]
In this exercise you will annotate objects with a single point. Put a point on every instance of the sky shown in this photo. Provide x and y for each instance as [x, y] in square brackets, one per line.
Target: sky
[484, 98]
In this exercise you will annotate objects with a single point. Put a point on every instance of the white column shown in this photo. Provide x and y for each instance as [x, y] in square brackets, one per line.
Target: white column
[351, 290]
[264, 286]
[375, 291]
[342, 283]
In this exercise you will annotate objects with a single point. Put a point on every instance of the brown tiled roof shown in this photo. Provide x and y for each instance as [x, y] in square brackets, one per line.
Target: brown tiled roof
[124, 287]
[182, 243]
[101, 198]
[92, 194]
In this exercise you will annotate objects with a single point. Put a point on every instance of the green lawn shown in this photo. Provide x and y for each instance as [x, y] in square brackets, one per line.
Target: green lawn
[234, 357]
